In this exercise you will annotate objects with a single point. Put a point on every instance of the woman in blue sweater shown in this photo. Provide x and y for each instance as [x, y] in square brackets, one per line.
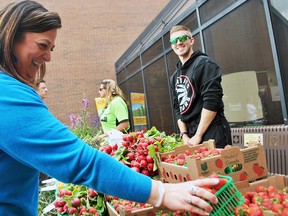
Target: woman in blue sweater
[33, 140]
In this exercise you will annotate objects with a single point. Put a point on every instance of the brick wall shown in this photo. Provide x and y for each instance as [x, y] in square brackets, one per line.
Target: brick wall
[94, 35]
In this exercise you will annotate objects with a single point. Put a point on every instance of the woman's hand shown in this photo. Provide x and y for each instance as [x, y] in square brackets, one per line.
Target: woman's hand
[189, 196]
[102, 136]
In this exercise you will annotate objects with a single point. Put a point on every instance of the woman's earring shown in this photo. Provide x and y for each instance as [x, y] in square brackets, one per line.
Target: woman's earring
[14, 59]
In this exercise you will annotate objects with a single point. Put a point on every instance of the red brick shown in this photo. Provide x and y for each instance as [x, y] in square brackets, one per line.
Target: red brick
[94, 35]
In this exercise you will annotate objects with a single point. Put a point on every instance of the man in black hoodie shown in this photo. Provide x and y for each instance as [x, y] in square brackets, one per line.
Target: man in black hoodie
[197, 93]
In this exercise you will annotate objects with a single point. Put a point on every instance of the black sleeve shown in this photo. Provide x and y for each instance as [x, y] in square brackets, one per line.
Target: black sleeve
[174, 95]
[211, 86]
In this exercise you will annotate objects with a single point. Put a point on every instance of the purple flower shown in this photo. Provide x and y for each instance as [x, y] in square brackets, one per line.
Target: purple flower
[85, 102]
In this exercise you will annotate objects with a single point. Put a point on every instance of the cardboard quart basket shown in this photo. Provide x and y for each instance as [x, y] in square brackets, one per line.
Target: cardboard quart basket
[149, 211]
[278, 181]
[240, 164]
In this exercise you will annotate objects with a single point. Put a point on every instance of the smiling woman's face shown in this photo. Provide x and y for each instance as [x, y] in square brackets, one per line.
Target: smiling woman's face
[32, 51]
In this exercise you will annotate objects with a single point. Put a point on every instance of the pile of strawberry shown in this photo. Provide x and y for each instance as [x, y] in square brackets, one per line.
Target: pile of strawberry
[179, 159]
[79, 200]
[138, 149]
[126, 205]
[264, 199]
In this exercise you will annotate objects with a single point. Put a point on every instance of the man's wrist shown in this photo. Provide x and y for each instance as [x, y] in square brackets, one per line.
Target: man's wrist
[182, 134]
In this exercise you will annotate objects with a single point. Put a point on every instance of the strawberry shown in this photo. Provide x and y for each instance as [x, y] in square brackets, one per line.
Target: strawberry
[260, 188]
[187, 152]
[285, 212]
[249, 195]
[277, 208]
[241, 210]
[285, 203]
[228, 147]
[255, 211]
[271, 189]
[214, 175]
[257, 200]
[267, 203]
[203, 149]
[222, 182]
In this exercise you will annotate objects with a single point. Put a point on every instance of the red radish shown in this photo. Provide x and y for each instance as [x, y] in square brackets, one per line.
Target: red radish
[145, 172]
[75, 202]
[59, 202]
[72, 210]
[92, 210]
[130, 156]
[135, 169]
[92, 193]
[149, 159]
[143, 163]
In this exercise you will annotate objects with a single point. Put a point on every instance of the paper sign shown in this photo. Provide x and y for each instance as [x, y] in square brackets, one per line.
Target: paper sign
[253, 137]
[100, 104]
[138, 111]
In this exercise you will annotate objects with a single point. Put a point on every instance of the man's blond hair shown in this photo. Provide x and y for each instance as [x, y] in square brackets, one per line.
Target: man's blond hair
[180, 28]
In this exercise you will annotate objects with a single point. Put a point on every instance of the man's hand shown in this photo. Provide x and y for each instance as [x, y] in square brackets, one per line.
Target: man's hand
[186, 139]
[195, 140]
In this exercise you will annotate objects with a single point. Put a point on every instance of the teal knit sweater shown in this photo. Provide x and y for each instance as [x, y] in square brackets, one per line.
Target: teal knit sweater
[33, 140]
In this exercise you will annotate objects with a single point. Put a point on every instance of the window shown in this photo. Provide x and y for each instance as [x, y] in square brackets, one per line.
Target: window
[158, 99]
[191, 21]
[247, 64]
[211, 8]
[134, 66]
[152, 52]
[121, 76]
[279, 15]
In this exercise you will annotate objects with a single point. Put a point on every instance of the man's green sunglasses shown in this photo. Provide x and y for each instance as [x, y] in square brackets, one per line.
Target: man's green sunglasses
[181, 38]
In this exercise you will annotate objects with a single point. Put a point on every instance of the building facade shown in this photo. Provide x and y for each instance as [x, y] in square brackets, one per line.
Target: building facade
[93, 36]
[246, 38]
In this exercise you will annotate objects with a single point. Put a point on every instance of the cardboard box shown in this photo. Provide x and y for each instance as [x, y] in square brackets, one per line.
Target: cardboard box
[149, 211]
[278, 181]
[249, 163]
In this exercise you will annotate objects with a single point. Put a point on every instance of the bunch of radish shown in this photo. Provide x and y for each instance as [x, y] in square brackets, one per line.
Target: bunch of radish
[79, 200]
[138, 149]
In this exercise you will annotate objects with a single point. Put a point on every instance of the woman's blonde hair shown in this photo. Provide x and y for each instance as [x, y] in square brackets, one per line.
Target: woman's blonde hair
[112, 90]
